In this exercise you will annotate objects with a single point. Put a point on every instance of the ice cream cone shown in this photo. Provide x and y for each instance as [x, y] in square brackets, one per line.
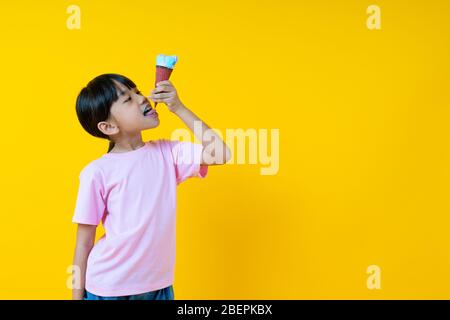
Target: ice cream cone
[164, 68]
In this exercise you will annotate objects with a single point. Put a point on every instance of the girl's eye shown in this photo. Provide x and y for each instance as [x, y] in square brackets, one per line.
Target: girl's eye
[129, 98]
[138, 92]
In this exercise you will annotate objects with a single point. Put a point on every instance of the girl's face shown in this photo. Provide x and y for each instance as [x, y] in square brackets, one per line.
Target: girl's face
[132, 112]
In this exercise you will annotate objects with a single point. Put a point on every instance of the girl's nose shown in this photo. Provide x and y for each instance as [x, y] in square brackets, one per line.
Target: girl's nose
[143, 100]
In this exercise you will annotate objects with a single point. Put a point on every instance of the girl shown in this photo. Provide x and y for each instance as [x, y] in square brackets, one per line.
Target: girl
[132, 190]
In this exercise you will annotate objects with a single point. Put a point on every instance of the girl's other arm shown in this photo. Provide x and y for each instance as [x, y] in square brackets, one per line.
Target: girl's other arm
[84, 243]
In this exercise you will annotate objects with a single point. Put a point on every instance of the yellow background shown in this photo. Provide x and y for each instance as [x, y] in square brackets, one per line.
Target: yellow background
[364, 142]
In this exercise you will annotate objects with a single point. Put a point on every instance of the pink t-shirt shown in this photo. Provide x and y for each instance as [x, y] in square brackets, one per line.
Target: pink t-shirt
[134, 195]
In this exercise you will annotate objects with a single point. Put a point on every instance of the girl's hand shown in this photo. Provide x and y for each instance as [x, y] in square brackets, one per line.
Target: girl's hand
[166, 93]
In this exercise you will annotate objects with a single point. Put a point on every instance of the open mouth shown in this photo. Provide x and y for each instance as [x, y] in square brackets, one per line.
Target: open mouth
[149, 111]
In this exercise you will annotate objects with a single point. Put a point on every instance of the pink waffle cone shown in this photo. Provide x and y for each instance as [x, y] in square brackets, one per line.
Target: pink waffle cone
[162, 73]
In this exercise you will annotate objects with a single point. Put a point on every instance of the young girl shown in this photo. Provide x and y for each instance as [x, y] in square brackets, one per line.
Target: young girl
[132, 190]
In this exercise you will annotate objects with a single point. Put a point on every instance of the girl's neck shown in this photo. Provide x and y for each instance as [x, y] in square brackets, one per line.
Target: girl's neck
[125, 144]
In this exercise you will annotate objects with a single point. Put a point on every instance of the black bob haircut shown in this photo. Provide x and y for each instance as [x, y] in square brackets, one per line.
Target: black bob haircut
[94, 102]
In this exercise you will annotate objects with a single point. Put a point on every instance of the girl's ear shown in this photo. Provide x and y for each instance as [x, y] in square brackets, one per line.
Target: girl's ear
[107, 128]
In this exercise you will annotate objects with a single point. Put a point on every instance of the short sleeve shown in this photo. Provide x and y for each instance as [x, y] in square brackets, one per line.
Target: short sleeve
[90, 205]
[187, 157]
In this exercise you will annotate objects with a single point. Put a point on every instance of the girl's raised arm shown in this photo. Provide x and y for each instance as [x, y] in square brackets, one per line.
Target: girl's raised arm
[166, 93]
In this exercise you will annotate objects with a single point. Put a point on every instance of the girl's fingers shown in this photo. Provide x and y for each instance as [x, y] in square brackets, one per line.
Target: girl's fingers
[164, 82]
[161, 89]
[161, 100]
[158, 99]
[162, 95]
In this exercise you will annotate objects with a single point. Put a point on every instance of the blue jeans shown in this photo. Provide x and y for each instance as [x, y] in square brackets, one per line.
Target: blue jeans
[161, 294]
